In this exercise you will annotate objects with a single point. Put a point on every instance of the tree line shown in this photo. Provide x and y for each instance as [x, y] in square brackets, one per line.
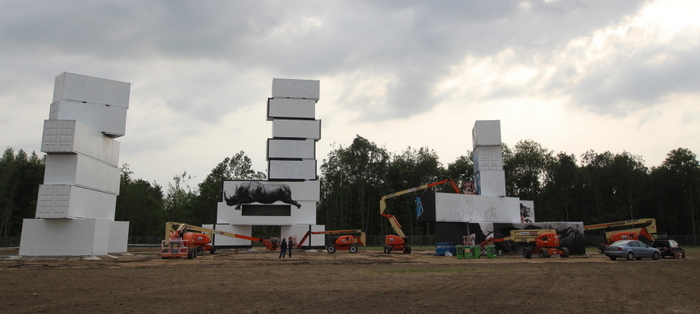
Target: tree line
[593, 188]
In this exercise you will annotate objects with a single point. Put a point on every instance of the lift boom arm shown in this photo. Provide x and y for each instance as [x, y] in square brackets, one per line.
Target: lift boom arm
[182, 227]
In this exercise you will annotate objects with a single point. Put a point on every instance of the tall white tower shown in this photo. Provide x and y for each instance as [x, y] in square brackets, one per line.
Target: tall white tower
[488, 158]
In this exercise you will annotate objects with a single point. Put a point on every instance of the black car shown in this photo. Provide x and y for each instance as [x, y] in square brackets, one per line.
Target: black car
[669, 248]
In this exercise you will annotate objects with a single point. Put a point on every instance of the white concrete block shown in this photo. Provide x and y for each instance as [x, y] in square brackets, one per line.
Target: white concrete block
[486, 132]
[118, 237]
[301, 190]
[71, 136]
[491, 183]
[450, 207]
[82, 171]
[70, 201]
[289, 108]
[65, 237]
[110, 120]
[83, 88]
[292, 169]
[305, 215]
[488, 158]
[293, 88]
[291, 149]
[303, 129]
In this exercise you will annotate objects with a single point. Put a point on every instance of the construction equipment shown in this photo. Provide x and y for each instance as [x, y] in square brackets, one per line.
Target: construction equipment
[349, 241]
[636, 229]
[543, 242]
[399, 242]
[179, 242]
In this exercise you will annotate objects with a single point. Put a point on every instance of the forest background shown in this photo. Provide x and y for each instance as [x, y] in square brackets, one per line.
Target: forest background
[594, 188]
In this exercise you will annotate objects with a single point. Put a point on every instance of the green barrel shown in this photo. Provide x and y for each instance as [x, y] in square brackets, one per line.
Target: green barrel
[467, 253]
[476, 251]
[459, 251]
[491, 251]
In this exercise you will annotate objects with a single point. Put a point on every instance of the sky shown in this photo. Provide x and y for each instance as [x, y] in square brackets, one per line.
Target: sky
[572, 76]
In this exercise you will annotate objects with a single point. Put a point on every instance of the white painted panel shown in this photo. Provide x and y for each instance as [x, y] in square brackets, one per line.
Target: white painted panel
[118, 237]
[71, 136]
[83, 171]
[304, 215]
[64, 237]
[491, 183]
[527, 211]
[70, 86]
[69, 201]
[225, 241]
[301, 191]
[303, 129]
[476, 208]
[291, 108]
[292, 169]
[291, 148]
[486, 132]
[293, 88]
[110, 120]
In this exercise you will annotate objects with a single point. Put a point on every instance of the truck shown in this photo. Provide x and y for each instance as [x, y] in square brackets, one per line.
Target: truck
[542, 242]
[349, 240]
[399, 242]
[643, 229]
[180, 241]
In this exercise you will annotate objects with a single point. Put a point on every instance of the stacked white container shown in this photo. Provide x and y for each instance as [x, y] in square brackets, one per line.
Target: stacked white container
[76, 204]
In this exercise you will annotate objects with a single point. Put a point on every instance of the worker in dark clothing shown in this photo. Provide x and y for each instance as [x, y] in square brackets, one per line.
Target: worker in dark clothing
[290, 245]
[283, 248]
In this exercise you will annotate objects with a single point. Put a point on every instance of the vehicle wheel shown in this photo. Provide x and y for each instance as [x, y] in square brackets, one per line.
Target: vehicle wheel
[190, 254]
[527, 253]
[353, 249]
[200, 251]
[407, 250]
[683, 255]
[655, 256]
[544, 253]
[601, 249]
[387, 249]
[612, 257]
[331, 249]
[565, 251]
[214, 250]
[630, 256]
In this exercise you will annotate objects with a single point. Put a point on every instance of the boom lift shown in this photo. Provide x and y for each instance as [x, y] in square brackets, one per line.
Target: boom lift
[636, 229]
[347, 242]
[544, 242]
[181, 243]
[399, 242]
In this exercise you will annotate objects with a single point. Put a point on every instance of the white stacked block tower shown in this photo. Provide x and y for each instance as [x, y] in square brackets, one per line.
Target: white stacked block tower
[291, 156]
[76, 204]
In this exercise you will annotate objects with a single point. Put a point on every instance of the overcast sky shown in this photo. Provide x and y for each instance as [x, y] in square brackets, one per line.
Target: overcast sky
[571, 75]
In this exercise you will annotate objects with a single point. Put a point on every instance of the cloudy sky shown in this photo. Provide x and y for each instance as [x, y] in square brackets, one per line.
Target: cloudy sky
[571, 75]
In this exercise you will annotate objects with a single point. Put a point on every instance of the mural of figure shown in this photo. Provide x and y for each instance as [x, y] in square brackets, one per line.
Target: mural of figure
[264, 193]
[524, 214]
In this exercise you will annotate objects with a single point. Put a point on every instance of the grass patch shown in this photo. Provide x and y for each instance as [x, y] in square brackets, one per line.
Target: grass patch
[428, 270]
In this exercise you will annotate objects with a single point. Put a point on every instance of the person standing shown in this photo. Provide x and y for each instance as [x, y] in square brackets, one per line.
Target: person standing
[283, 248]
[290, 245]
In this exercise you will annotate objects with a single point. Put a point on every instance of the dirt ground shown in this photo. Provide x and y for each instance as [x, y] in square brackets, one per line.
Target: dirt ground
[367, 282]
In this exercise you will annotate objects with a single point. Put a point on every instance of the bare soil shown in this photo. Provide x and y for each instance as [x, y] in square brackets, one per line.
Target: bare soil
[367, 282]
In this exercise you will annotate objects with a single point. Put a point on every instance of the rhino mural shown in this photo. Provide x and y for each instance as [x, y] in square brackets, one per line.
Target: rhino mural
[256, 192]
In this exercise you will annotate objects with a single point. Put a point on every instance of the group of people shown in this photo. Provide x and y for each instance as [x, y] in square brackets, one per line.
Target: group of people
[284, 246]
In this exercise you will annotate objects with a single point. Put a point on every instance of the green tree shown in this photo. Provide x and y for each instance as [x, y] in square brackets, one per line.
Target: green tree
[560, 189]
[352, 182]
[141, 204]
[676, 184]
[20, 177]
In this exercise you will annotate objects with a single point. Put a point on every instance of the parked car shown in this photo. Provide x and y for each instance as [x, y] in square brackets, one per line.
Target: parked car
[669, 248]
[631, 249]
